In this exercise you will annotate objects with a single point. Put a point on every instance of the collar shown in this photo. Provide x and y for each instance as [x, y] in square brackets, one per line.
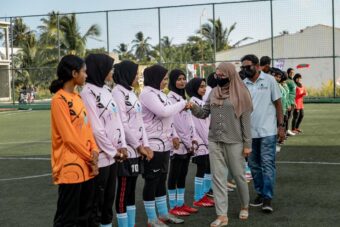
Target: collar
[177, 96]
[261, 77]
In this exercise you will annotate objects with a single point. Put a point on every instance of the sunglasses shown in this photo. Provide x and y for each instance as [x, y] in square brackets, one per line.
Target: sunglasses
[246, 67]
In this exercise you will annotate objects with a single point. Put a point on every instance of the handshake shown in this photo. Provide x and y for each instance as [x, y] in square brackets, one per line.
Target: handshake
[189, 106]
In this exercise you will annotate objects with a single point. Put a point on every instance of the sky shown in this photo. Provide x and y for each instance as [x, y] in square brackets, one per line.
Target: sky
[253, 19]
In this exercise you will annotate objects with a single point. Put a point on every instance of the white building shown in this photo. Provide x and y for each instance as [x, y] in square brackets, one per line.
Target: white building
[5, 76]
[315, 41]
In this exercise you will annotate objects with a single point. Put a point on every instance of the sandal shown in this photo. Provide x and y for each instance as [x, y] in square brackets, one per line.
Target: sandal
[219, 223]
[244, 213]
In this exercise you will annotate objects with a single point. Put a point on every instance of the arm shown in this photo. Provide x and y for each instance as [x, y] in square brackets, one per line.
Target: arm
[154, 104]
[183, 130]
[199, 112]
[246, 129]
[60, 117]
[279, 116]
[98, 128]
[131, 138]
[145, 137]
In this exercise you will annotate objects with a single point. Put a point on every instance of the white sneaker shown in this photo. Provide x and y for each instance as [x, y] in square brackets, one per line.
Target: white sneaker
[289, 132]
[278, 148]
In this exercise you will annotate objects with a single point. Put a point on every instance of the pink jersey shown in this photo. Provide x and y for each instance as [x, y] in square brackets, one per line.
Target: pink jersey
[106, 124]
[184, 126]
[158, 114]
[202, 129]
[130, 110]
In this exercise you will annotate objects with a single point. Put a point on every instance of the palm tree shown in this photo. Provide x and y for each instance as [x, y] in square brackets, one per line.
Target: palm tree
[73, 41]
[141, 47]
[222, 35]
[200, 49]
[124, 52]
[20, 32]
[49, 37]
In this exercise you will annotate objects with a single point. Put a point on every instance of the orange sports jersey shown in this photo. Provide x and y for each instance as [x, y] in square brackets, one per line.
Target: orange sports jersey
[72, 139]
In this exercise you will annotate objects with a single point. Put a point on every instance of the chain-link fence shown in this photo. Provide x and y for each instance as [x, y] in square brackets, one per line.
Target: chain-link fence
[299, 34]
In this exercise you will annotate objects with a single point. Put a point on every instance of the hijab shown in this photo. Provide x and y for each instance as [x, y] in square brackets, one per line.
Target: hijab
[211, 80]
[154, 75]
[125, 73]
[173, 76]
[192, 87]
[98, 67]
[235, 91]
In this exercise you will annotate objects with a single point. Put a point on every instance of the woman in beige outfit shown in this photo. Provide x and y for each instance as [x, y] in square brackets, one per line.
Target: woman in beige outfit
[230, 107]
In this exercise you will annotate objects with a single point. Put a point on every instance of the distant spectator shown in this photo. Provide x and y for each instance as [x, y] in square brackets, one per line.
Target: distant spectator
[291, 103]
[265, 64]
[298, 111]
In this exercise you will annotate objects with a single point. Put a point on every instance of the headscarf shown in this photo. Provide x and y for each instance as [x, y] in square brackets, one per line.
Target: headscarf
[192, 87]
[125, 73]
[173, 76]
[235, 90]
[154, 75]
[98, 67]
[211, 80]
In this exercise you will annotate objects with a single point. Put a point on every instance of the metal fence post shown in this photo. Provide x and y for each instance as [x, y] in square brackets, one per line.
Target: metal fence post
[214, 31]
[272, 30]
[107, 33]
[159, 35]
[12, 61]
[58, 35]
[333, 24]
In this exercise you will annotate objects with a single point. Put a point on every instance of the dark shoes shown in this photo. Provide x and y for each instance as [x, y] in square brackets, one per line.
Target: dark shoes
[267, 206]
[257, 202]
[265, 203]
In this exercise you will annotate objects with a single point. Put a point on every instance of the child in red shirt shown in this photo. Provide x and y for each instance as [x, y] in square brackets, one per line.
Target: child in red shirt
[298, 111]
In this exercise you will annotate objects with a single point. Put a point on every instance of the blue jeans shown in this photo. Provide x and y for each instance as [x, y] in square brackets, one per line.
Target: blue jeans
[262, 165]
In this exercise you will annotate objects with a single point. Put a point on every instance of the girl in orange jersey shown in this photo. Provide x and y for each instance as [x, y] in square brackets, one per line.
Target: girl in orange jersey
[74, 151]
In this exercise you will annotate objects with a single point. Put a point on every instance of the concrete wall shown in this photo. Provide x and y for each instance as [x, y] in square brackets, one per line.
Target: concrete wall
[313, 41]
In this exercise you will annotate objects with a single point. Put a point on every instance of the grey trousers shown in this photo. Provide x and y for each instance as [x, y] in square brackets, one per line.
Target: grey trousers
[224, 157]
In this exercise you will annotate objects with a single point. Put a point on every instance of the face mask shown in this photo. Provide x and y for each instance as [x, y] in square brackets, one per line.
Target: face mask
[222, 81]
[249, 72]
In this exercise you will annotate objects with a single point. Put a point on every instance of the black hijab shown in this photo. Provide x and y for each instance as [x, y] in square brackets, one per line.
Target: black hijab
[192, 87]
[125, 73]
[98, 67]
[211, 80]
[173, 76]
[154, 75]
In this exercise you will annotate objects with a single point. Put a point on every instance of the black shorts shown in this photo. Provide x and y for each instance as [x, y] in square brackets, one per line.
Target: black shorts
[158, 165]
[201, 160]
[130, 167]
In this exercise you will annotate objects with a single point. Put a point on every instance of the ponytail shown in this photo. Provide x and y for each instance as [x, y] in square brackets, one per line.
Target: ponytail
[55, 86]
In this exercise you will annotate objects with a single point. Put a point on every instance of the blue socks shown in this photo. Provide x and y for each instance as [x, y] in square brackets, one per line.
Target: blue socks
[122, 220]
[180, 196]
[131, 212]
[199, 193]
[206, 183]
[150, 210]
[162, 206]
[172, 198]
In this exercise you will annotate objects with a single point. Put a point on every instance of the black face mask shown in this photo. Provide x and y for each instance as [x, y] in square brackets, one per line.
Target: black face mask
[249, 73]
[242, 74]
[222, 81]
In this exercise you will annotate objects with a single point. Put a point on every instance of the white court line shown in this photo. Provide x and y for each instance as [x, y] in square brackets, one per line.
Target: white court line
[310, 163]
[27, 177]
[24, 142]
[28, 158]
[16, 112]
